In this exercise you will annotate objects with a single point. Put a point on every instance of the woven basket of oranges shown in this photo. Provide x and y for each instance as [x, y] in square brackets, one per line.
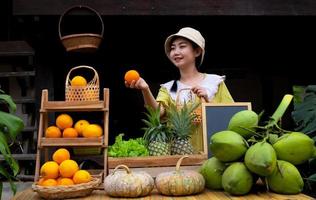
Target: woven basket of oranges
[66, 191]
[78, 88]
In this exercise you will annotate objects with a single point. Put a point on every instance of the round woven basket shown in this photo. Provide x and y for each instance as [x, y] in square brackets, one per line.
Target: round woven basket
[81, 42]
[90, 92]
[198, 111]
[66, 191]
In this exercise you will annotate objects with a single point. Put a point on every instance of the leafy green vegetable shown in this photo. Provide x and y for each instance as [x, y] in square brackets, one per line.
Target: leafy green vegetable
[304, 114]
[130, 148]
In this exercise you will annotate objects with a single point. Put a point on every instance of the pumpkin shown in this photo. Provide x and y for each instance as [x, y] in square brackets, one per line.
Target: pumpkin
[180, 182]
[125, 183]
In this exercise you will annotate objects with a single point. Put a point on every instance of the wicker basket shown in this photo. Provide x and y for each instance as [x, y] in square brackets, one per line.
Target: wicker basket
[90, 92]
[81, 42]
[198, 111]
[64, 192]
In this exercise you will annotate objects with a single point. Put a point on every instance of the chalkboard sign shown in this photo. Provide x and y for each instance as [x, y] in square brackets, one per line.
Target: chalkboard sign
[216, 117]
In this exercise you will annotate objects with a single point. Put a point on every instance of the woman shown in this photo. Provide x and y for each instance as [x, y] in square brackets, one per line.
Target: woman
[186, 50]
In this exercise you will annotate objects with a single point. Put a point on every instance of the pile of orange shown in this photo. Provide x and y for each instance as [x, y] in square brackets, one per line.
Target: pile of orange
[62, 171]
[66, 128]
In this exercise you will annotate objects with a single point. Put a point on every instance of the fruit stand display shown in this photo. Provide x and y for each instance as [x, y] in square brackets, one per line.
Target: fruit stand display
[49, 139]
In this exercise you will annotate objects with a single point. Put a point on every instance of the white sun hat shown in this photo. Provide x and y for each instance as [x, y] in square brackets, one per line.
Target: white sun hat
[188, 33]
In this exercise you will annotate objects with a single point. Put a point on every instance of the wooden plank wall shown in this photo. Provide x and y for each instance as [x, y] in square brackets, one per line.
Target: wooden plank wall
[171, 7]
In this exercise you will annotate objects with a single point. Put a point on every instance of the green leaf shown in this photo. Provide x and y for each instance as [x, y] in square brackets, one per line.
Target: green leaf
[312, 178]
[1, 186]
[312, 165]
[13, 124]
[304, 114]
[4, 172]
[5, 151]
[6, 99]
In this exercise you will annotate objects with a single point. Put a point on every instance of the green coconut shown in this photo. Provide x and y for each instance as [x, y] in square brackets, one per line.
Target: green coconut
[212, 171]
[294, 147]
[228, 146]
[286, 179]
[237, 180]
[261, 158]
[244, 123]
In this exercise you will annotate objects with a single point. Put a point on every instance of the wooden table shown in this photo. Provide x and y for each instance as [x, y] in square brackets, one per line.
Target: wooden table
[28, 194]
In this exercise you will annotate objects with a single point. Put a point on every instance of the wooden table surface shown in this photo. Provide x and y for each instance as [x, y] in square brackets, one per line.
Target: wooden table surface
[28, 194]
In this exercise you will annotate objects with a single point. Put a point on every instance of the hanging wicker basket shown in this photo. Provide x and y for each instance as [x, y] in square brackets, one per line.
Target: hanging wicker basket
[66, 191]
[90, 92]
[191, 96]
[81, 42]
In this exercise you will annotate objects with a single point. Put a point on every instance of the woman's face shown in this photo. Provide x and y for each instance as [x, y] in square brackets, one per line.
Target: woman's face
[182, 53]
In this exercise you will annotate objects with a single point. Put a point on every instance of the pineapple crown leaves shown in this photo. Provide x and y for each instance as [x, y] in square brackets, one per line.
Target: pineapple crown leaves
[154, 129]
[304, 113]
[180, 119]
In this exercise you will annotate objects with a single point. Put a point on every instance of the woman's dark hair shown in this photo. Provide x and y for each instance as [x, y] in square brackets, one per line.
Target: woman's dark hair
[174, 86]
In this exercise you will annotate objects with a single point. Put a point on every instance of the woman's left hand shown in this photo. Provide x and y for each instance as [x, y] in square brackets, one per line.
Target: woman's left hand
[200, 92]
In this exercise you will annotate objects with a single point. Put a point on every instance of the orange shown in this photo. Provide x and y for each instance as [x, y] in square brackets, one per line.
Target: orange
[65, 181]
[78, 81]
[81, 125]
[40, 181]
[131, 75]
[92, 130]
[49, 182]
[60, 155]
[64, 121]
[68, 168]
[70, 133]
[53, 132]
[50, 169]
[81, 176]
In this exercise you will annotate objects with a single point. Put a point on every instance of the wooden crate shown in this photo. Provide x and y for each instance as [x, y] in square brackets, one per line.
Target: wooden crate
[157, 164]
[45, 145]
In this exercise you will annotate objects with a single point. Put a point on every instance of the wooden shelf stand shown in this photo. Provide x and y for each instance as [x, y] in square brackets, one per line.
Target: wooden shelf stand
[66, 106]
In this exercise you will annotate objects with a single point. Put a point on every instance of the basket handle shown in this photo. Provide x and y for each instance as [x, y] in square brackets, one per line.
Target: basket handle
[183, 89]
[81, 66]
[80, 7]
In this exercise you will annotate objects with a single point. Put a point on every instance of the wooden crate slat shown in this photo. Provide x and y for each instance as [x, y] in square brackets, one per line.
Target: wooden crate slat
[21, 156]
[89, 142]
[154, 171]
[156, 161]
[73, 106]
[17, 74]
[16, 48]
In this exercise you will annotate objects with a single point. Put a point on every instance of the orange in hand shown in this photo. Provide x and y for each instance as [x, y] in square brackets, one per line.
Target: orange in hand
[131, 75]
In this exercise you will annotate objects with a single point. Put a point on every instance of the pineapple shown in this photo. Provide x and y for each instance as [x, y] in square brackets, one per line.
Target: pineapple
[157, 134]
[182, 127]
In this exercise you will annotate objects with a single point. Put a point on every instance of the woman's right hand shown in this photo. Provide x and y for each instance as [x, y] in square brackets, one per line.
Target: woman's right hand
[139, 84]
